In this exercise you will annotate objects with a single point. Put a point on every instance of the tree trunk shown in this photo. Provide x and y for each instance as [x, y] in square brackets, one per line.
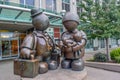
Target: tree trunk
[107, 49]
[117, 42]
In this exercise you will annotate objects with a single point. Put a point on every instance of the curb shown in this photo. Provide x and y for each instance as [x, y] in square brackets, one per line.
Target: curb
[106, 66]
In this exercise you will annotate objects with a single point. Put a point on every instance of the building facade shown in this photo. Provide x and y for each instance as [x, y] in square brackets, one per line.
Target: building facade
[15, 21]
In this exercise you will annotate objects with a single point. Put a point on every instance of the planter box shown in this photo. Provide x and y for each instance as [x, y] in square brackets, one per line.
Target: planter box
[107, 66]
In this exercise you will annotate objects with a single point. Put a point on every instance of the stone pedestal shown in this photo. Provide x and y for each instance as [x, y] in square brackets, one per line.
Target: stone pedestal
[61, 74]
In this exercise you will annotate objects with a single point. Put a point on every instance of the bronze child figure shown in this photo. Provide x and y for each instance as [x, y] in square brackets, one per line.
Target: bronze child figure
[72, 43]
[39, 44]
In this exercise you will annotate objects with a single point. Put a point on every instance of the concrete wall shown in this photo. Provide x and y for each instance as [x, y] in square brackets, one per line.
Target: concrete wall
[73, 6]
[59, 5]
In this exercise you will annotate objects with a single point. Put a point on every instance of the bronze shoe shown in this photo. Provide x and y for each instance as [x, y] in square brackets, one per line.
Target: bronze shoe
[52, 65]
[65, 64]
[77, 65]
[43, 67]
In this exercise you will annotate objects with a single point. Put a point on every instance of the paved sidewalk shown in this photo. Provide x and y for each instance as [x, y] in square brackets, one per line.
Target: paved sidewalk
[6, 73]
[99, 74]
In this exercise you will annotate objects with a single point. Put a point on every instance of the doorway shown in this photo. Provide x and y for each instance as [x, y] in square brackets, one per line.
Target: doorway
[9, 47]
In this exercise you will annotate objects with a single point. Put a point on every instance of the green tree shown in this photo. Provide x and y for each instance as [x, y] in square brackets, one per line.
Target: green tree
[101, 19]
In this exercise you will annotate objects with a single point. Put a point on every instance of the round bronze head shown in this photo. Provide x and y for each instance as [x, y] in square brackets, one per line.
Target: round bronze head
[70, 21]
[39, 20]
[70, 25]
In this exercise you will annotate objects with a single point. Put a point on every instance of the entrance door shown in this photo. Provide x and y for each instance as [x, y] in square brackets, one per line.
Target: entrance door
[9, 48]
[6, 48]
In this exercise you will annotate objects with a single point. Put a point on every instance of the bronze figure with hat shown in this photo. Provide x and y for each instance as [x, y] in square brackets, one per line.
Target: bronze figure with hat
[39, 45]
[72, 43]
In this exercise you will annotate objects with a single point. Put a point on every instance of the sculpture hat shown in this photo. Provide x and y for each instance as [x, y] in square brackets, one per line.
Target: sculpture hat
[71, 16]
[35, 12]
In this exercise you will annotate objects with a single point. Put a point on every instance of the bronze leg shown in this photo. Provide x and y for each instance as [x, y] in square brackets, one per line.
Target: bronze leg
[43, 67]
[66, 64]
[77, 65]
[52, 65]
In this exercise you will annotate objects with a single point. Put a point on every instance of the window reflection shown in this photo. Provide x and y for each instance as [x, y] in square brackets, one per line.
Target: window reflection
[5, 48]
[6, 34]
[66, 5]
[51, 5]
[27, 2]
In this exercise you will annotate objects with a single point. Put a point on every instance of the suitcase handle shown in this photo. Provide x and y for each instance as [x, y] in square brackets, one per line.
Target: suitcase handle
[32, 57]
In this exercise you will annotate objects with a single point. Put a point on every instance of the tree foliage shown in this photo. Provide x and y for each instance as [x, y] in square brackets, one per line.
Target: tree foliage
[100, 18]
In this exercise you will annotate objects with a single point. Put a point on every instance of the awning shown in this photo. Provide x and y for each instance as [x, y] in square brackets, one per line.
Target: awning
[18, 16]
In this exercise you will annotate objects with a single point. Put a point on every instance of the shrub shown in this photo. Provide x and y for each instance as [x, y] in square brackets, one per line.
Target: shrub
[117, 59]
[100, 57]
[115, 53]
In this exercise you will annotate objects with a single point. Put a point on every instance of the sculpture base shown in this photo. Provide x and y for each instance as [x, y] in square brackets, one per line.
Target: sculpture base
[61, 74]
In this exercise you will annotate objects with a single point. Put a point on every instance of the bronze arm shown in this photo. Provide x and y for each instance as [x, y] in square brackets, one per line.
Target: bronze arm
[82, 43]
[27, 47]
[79, 45]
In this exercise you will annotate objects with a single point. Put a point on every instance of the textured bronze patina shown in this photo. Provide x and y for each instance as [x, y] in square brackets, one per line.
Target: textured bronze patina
[65, 64]
[39, 44]
[26, 68]
[43, 67]
[72, 43]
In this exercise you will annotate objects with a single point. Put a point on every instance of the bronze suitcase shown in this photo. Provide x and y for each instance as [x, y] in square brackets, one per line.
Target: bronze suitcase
[26, 68]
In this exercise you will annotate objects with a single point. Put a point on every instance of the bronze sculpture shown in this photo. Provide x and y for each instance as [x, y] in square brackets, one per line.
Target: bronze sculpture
[72, 43]
[39, 45]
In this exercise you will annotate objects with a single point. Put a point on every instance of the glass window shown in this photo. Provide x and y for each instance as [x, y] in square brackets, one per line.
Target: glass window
[51, 5]
[66, 5]
[40, 4]
[5, 48]
[6, 0]
[30, 2]
[22, 2]
[27, 2]
[66, 1]
[61, 29]
[49, 29]
[6, 34]
[14, 47]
